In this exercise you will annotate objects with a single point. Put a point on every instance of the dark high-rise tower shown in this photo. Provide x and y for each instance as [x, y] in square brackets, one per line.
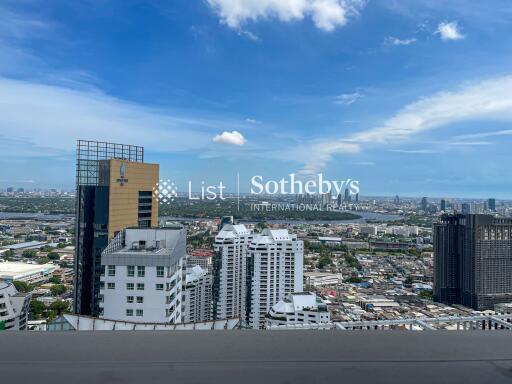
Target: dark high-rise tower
[443, 205]
[491, 205]
[466, 208]
[473, 260]
[424, 204]
[114, 190]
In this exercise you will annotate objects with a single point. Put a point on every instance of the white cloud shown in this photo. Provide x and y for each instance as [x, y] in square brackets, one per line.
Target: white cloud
[252, 121]
[390, 40]
[326, 14]
[449, 31]
[231, 138]
[482, 135]
[485, 100]
[348, 98]
[413, 151]
[46, 120]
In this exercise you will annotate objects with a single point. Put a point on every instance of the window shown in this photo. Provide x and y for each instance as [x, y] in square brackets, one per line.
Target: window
[111, 270]
[111, 285]
[129, 286]
[159, 287]
[129, 312]
[141, 271]
[130, 270]
[140, 286]
[129, 299]
[159, 271]
[140, 299]
[102, 285]
[139, 312]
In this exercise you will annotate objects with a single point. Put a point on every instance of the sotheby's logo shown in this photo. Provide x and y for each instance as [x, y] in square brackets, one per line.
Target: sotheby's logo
[165, 191]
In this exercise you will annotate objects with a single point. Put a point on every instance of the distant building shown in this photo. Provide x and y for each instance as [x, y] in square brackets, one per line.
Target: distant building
[424, 204]
[347, 198]
[203, 258]
[298, 308]
[443, 205]
[226, 220]
[332, 241]
[368, 230]
[321, 279]
[466, 208]
[473, 260]
[274, 270]
[13, 308]
[143, 276]
[491, 205]
[198, 295]
[28, 273]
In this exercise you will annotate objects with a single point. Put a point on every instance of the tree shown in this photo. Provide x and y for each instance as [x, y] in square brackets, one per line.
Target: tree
[351, 261]
[427, 294]
[61, 245]
[324, 261]
[29, 253]
[53, 256]
[36, 310]
[43, 260]
[354, 280]
[8, 254]
[59, 307]
[58, 289]
[21, 286]
[54, 280]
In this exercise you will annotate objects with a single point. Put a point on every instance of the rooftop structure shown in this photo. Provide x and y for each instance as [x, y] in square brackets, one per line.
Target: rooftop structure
[298, 308]
[143, 276]
[28, 273]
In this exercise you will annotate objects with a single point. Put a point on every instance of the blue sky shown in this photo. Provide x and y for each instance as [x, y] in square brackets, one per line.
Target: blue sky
[409, 97]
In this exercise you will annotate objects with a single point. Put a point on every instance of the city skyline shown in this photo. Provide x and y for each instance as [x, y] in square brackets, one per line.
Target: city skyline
[388, 94]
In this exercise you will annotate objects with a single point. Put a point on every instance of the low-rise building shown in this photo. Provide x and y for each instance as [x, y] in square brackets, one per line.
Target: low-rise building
[13, 308]
[298, 308]
[28, 273]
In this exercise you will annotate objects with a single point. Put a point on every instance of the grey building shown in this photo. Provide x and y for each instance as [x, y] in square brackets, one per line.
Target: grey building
[473, 260]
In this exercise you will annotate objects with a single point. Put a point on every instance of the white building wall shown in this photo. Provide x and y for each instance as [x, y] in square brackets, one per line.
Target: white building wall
[229, 270]
[13, 307]
[277, 259]
[149, 296]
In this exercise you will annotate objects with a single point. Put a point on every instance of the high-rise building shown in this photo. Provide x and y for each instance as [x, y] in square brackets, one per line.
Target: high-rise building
[491, 204]
[443, 205]
[229, 271]
[347, 198]
[466, 208]
[14, 308]
[143, 275]
[473, 260]
[274, 270]
[198, 295]
[424, 204]
[114, 190]
[357, 197]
